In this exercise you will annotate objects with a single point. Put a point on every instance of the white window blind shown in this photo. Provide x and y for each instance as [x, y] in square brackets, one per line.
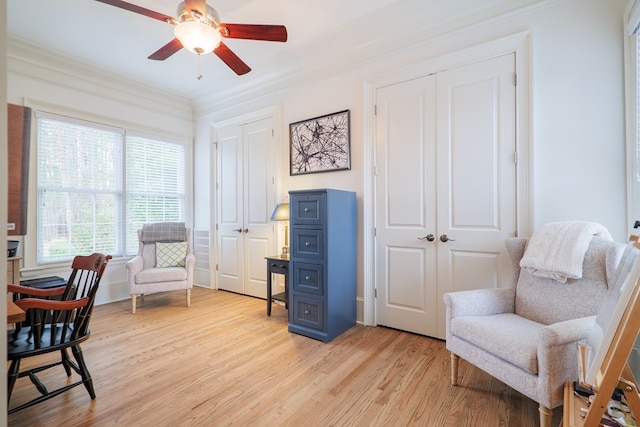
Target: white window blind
[155, 184]
[632, 16]
[79, 180]
[98, 184]
[637, 103]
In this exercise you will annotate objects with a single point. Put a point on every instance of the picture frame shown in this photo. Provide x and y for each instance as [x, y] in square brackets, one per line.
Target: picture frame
[320, 144]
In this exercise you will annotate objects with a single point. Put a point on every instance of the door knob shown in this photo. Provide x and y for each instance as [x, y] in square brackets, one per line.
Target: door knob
[239, 230]
[246, 230]
[429, 237]
[445, 238]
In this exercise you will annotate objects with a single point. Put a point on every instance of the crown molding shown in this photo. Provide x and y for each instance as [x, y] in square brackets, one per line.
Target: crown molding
[387, 34]
[27, 60]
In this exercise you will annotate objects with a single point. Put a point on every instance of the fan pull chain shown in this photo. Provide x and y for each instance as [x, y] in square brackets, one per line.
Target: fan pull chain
[199, 67]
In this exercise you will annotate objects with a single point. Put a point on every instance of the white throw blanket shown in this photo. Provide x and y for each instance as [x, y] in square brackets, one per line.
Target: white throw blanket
[556, 250]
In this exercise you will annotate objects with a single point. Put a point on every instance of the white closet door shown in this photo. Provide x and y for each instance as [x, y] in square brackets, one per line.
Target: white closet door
[476, 176]
[445, 170]
[245, 199]
[405, 206]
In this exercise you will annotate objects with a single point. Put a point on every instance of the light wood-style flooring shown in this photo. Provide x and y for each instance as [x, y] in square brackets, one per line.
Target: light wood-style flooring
[224, 362]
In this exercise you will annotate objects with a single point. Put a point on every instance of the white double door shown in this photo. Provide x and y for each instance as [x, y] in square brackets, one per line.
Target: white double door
[245, 200]
[445, 190]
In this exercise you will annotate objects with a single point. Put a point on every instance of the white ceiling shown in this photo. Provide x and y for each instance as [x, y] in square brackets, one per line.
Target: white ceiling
[319, 32]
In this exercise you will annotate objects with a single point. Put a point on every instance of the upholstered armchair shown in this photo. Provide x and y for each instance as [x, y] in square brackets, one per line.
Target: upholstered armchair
[164, 262]
[526, 334]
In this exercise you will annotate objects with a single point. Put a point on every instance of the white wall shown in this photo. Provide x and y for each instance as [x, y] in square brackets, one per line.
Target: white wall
[577, 127]
[578, 116]
[42, 81]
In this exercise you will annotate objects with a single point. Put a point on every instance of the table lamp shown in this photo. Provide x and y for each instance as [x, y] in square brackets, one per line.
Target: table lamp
[281, 213]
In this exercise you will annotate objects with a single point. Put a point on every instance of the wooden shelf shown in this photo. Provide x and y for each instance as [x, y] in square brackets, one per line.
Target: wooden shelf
[282, 296]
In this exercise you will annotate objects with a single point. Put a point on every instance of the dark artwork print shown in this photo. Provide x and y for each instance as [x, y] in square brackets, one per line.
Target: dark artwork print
[320, 144]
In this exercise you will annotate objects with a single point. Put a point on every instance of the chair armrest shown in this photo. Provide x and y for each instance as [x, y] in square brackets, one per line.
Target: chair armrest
[558, 357]
[134, 265]
[567, 332]
[190, 260]
[27, 303]
[27, 290]
[480, 302]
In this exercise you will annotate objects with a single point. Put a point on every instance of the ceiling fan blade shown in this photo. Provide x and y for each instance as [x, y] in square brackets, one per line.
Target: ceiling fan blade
[141, 10]
[198, 5]
[272, 33]
[167, 50]
[231, 59]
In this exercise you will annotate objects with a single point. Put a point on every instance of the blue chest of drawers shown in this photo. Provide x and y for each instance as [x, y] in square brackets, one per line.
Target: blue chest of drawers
[322, 296]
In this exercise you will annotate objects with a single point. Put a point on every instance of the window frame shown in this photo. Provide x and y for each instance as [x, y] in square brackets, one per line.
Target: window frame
[632, 98]
[31, 260]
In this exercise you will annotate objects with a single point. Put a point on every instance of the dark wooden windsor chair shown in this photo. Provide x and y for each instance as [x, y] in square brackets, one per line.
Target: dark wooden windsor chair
[55, 325]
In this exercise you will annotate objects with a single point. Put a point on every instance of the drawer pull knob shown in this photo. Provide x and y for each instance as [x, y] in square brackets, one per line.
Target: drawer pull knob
[307, 244]
[282, 266]
[307, 312]
[274, 265]
[307, 278]
[307, 209]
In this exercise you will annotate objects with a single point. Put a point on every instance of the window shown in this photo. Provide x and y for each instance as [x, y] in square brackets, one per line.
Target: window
[155, 185]
[637, 105]
[98, 184]
[632, 45]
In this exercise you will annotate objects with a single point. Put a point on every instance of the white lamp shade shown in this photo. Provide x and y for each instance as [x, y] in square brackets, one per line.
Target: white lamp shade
[197, 37]
[281, 212]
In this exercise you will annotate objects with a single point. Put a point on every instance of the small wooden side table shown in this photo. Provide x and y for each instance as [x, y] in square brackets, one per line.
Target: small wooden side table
[14, 313]
[277, 264]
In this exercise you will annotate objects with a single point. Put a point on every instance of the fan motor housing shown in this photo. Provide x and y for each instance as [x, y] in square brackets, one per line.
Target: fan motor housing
[212, 18]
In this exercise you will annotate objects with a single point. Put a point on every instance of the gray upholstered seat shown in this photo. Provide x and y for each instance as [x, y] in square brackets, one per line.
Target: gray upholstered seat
[525, 335]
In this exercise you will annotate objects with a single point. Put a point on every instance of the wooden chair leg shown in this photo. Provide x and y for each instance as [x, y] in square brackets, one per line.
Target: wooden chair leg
[546, 416]
[133, 304]
[12, 376]
[455, 361]
[188, 297]
[65, 361]
[84, 371]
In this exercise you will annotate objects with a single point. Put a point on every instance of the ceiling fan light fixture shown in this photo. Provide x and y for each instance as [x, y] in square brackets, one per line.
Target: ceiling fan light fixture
[197, 37]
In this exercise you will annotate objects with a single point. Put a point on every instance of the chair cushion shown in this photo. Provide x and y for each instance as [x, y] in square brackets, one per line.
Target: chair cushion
[158, 275]
[171, 254]
[508, 336]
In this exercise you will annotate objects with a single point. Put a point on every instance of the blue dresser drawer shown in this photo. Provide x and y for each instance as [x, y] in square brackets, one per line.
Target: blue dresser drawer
[308, 278]
[307, 311]
[308, 209]
[307, 244]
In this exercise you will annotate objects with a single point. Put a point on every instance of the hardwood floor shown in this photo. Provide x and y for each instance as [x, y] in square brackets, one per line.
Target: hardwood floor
[224, 362]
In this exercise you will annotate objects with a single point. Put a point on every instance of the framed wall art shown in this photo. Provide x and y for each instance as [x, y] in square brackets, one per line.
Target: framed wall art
[321, 144]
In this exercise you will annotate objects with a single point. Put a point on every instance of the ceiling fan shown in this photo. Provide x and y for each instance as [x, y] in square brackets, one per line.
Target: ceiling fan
[198, 29]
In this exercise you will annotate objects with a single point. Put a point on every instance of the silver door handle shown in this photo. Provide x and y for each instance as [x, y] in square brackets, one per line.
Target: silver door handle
[444, 238]
[428, 237]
